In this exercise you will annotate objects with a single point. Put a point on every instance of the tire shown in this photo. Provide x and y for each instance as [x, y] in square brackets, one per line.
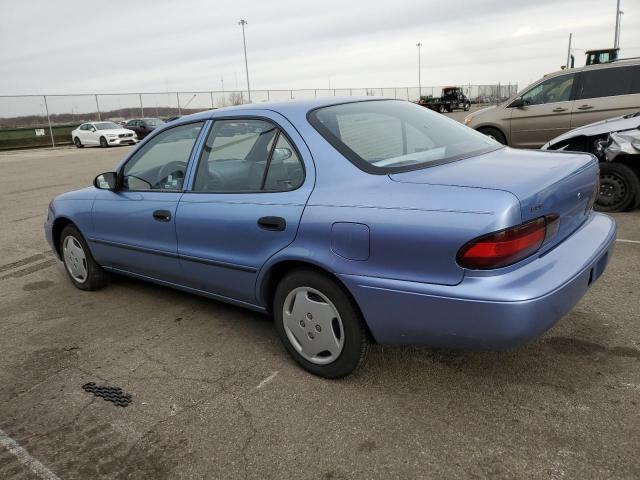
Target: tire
[440, 108]
[103, 142]
[619, 188]
[467, 106]
[449, 108]
[78, 143]
[303, 294]
[79, 264]
[495, 134]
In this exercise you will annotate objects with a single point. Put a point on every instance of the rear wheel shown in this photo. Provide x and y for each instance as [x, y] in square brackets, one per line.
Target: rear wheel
[77, 143]
[467, 106]
[440, 108]
[495, 134]
[103, 142]
[82, 269]
[619, 188]
[319, 324]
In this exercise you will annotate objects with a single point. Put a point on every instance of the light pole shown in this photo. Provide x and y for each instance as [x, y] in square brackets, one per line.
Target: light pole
[242, 23]
[620, 13]
[616, 34]
[419, 44]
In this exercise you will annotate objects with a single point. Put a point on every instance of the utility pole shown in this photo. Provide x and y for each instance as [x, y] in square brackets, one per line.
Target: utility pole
[569, 53]
[242, 23]
[616, 35]
[419, 44]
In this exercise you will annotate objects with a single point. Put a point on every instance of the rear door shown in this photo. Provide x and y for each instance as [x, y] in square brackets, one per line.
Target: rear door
[546, 112]
[606, 93]
[244, 204]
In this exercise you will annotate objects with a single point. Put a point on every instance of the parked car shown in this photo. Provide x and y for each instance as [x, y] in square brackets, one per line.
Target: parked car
[143, 126]
[346, 220]
[560, 102]
[104, 134]
[616, 143]
[452, 98]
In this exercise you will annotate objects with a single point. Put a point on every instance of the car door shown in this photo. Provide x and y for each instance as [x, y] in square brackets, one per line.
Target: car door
[606, 93]
[247, 194]
[134, 225]
[545, 112]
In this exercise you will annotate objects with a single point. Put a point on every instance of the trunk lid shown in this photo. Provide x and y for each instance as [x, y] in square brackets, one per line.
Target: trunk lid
[562, 183]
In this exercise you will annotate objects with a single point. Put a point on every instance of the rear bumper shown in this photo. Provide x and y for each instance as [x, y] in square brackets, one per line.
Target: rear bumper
[495, 311]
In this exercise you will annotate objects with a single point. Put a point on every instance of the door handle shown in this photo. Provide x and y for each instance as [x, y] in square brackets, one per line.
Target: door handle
[585, 107]
[162, 215]
[559, 109]
[274, 224]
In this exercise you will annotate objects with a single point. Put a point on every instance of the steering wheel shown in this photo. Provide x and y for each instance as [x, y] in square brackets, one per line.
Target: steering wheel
[172, 167]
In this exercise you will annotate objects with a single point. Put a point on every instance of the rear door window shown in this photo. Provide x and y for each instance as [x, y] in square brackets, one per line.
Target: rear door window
[606, 82]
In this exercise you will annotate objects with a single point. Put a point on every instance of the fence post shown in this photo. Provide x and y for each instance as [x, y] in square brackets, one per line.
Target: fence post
[141, 107]
[291, 94]
[315, 93]
[268, 95]
[212, 105]
[178, 98]
[53, 143]
[98, 107]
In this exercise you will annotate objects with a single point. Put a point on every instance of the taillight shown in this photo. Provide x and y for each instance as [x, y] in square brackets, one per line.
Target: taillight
[508, 246]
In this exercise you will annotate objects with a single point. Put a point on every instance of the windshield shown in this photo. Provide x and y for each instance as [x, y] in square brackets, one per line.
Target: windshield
[390, 135]
[106, 126]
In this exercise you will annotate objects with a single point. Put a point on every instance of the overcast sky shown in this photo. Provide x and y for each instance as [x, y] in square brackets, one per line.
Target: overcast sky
[69, 46]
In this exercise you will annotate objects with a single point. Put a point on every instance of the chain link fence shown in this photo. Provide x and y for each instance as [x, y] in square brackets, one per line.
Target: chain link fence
[47, 120]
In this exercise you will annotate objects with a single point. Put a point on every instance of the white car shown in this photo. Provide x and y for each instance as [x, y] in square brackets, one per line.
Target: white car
[104, 134]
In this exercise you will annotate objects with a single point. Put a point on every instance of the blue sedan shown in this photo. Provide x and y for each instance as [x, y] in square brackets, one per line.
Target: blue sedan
[347, 220]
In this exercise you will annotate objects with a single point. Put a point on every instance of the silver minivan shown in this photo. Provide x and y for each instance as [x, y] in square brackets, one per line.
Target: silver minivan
[562, 101]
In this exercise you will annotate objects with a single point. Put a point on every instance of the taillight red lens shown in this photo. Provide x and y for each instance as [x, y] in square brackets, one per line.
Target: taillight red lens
[508, 246]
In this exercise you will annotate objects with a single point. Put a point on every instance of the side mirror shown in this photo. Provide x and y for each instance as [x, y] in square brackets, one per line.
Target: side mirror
[106, 181]
[517, 103]
[281, 154]
[93, 129]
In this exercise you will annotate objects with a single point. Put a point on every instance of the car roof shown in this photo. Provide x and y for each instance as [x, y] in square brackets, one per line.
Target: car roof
[622, 62]
[285, 108]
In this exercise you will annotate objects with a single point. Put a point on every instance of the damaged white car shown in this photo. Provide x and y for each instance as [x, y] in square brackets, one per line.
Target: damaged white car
[616, 143]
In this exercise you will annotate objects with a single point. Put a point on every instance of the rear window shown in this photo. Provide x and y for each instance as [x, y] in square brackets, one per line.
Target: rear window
[386, 136]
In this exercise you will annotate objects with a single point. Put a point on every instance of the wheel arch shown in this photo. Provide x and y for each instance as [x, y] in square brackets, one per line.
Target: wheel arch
[500, 129]
[279, 269]
[58, 225]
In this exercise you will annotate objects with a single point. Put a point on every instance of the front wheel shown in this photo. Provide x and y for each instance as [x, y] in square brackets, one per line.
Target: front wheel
[619, 188]
[467, 106]
[495, 134]
[440, 108]
[82, 269]
[319, 324]
[103, 142]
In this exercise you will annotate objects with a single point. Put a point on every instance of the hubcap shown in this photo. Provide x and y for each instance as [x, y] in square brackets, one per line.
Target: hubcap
[613, 190]
[74, 259]
[313, 325]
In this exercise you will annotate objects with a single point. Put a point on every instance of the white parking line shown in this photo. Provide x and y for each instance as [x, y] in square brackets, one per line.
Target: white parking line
[266, 380]
[627, 241]
[25, 458]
